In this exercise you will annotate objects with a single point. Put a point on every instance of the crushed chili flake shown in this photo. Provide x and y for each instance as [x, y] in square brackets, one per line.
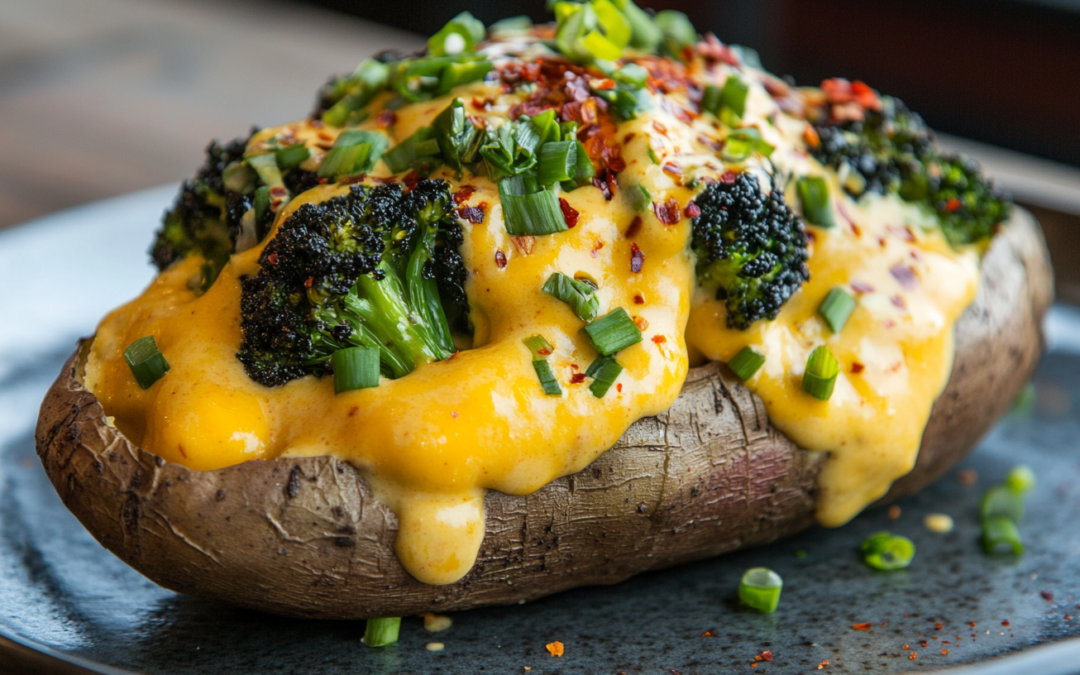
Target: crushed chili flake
[714, 144]
[308, 282]
[913, 656]
[905, 275]
[278, 191]
[660, 127]
[482, 103]
[764, 656]
[637, 258]
[810, 135]
[674, 168]
[708, 633]
[473, 214]
[862, 626]
[500, 258]
[386, 119]
[454, 413]
[971, 624]
[1047, 596]
[668, 212]
[857, 368]
[952, 205]
[349, 180]
[316, 124]
[924, 642]
[894, 512]
[938, 625]
[618, 387]
[1005, 623]
[641, 322]
[325, 136]
[577, 378]
[463, 193]
[555, 648]
[635, 227]
[602, 185]
[411, 179]
[569, 213]
[692, 210]
[822, 665]
[639, 299]
[1068, 618]
[659, 339]
[729, 177]
[898, 302]
[944, 652]
[628, 137]
[906, 647]
[968, 477]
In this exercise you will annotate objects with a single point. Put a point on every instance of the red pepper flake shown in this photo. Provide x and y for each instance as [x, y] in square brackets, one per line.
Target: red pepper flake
[714, 144]
[810, 135]
[569, 213]
[500, 258]
[924, 642]
[1047, 596]
[898, 302]
[764, 656]
[729, 177]
[618, 387]
[278, 191]
[524, 244]
[905, 275]
[308, 282]
[616, 163]
[641, 322]
[473, 214]
[545, 351]
[971, 624]
[577, 378]
[692, 210]
[325, 136]
[659, 339]
[602, 185]
[482, 103]
[906, 648]
[411, 179]
[857, 368]
[1005, 623]
[937, 626]
[862, 626]
[903, 233]
[595, 252]
[453, 414]
[637, 258]
[316, 124]
[386, 119]
[639, 299]
[555, 648]
[357, 178]
[628, 137]
[952, 205]
[1068, 618]
[673, 168]
[668, 212]
[968, 477]
[605, 84]
[659, 127]
[822, 665]
[914, 655]
[463, 194]
[945, 642]
[944, 652]
[894, 512]
[272, 258]
[635, 227]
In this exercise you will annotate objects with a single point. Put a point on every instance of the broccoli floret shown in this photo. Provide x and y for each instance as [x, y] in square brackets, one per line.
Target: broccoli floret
[752, 246]
[365, 269]
[892, 151]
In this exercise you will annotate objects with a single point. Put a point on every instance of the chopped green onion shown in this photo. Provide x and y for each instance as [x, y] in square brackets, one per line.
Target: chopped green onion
[580, 296]
[885, 551]
[412, 153]
[632, 75]
[354, 151]
[547, 378]
[355, 368]
[514, 24]
[292, 156]
[583, 169]
[677, 30]
[605, 370]
[821, 371]
[382, 632]
[546, 127]
[816, 203]
[743, 142]
[760, 589]
[239, 177]
[1020, 479]
[734, 95]
[539, 347]
[645, 34]
[613, 332]
[556, 162]
[146, 361]
[836, 308]
[532, 213]
[1002, 502]
[454, 134]
[262, 203]
[267, 168]
[626, 103]
[999, 533]
[459, 35]
[746, 363]
[369, 78]
[712, 99]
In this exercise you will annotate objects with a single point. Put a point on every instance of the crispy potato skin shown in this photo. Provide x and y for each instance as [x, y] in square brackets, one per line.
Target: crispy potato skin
[306, 538]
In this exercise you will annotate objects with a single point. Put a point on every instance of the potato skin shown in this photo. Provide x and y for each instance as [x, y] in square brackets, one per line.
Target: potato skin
[306, 538]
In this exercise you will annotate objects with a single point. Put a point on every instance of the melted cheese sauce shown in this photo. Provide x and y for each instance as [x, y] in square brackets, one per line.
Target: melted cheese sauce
[431, 443]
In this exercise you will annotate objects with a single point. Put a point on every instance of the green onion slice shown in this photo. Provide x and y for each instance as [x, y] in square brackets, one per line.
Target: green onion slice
[677, 31]
[836, 308]
[1020, 479]
[420, 151]
[525, 212]
[613, 332]
[746, 363]
[712, 99]
[459, 35]
[262, 203]
[292, 156]
[1002, 502]
[382, 632]
[556, 162]
[733, 95]
[239, 177]
[146, 361]
[886, 551]
[1001, 533]
[816, 203]
[604, 370]
[355, 368]
[267, 168]
[547, 378]
[821, 371]
[760, 589]
[632, 75]
[539, 347]
[580, 296]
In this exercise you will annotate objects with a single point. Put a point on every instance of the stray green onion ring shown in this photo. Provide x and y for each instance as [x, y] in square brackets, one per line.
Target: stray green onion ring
[836, 308]
[355, 368]
[760, 589]
[1001, 532]
[746, 363]
[146, 361]
[547, 378]
[1020, 479]
[382, 632]
[821, 372]
[613, 332]
[816, 202]
[886, 551]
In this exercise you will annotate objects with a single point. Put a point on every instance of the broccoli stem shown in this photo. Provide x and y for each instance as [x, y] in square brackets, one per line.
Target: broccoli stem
[381, 304]
[424, 297]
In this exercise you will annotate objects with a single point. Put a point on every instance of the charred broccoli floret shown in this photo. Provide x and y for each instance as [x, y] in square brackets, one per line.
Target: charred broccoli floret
[892, 151]
[376, 268]
[751, 246]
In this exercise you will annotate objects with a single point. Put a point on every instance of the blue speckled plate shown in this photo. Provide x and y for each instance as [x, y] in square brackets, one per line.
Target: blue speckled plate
[67, 605]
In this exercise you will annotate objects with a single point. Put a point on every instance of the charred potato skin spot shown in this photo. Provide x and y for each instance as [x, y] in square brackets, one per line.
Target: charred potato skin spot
[306, 538]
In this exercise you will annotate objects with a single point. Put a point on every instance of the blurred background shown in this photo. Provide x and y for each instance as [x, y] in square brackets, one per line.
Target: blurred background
[102, 97]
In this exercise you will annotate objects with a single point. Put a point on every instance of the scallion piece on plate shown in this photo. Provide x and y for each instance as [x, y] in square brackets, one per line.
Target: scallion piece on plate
[816, 203]
[580, 296]
[146, 361]
[556, 162]
[382, 632]
[712, 98]
[355, 368]
[420, 150]
[459, 35]
[539, 347]
[604, 370]
[821, 371]
[836, 308]
[746, 363]
[613, 331]
[547, 378]
[292, 156]
[1002, 502]
[886, 551]
[532, 213]
[760, 589]
[999, 534]
[632, 75]
[1020, 479]
[733, 96]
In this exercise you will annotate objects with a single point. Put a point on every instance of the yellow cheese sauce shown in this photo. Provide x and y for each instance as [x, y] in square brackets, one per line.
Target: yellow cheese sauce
[431, 443]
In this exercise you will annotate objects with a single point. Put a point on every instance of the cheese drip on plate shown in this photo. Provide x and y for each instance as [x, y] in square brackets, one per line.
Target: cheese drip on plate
[433, 442]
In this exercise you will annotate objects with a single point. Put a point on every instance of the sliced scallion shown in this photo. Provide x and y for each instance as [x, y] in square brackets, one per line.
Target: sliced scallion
[677, 30]
[1020, 479]
[459, 35]
[632, 75]
[414, 152]
[746, 363]
[604, 370]
[580, 296]
[1002, 502]
[613, 331]
[734, 95]
[816, 202]
[999, 534]
[262, 203]
[885, 551]
[547, 378]
[760, 589]
[556, 162]
[821, 372]
[712, 98]
[239, 177]
[382, 632]
[533, 213]
[355, 368]
[292, 156]
[267, 168]
[146, 361]
[836, 308]
[539, 347]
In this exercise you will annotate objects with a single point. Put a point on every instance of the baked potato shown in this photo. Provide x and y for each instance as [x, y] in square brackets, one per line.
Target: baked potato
[708, 459]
